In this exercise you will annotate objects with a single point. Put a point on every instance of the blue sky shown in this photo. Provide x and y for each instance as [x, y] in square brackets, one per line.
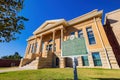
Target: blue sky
[38, 11]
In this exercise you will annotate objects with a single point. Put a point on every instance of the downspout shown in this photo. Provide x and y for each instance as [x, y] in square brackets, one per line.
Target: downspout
[107, 58]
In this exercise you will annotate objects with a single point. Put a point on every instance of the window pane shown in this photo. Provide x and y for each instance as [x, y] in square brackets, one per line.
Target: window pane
[72, 33]
[85, 61]
[90, 36]
[89, 29]
[80, 34]
[92, 40]
[96, 59]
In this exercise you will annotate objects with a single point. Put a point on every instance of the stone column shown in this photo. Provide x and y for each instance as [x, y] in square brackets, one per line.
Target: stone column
[53, 47]
[39, 51]
[35, 45]
[90, 59]
[61, 35]
[62, 60]
[27, 49]
[80, 61]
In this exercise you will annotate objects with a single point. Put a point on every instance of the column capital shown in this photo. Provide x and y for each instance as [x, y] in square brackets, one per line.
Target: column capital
[54, 31]
[61, 28]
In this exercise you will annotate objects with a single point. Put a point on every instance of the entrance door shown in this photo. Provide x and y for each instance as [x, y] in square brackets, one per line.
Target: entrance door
[57, 62]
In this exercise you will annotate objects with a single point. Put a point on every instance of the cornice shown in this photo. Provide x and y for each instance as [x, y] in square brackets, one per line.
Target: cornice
[85, 17]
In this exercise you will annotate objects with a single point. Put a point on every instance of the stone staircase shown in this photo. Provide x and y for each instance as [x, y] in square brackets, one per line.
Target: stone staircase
[32, 65]
[40, 62]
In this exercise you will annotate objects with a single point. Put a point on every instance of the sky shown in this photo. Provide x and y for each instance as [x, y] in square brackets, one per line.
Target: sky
[38, 11]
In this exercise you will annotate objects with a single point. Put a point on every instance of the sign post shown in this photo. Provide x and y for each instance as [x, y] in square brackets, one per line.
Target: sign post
[74, 68]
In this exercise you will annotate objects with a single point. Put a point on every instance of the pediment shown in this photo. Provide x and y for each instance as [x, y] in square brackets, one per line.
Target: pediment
[46, 24]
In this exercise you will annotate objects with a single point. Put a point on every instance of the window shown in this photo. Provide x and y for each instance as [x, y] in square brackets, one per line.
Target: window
[42, 46]
[57, 62]
[96, 59]
[72, 33]
[90, 36]
[55, 47]
[35, 46]
[29, 48]
[85, 61]
[80, 34]
[32, 50]
[49, 47]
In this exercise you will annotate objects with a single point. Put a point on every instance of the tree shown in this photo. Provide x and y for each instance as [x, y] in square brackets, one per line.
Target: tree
[10, 22]
[15, 56]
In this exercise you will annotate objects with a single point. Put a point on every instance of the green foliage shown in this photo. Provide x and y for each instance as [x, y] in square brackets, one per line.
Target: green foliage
[10, 22]
[16, 56]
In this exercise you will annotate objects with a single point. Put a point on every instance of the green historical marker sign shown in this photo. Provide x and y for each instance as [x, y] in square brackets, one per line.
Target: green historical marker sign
[74, 47]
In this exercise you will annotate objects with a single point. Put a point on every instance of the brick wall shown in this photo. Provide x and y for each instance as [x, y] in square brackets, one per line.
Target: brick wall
[9, 63]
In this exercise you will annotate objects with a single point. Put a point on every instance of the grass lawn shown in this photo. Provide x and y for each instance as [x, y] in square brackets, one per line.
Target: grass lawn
[61, 74]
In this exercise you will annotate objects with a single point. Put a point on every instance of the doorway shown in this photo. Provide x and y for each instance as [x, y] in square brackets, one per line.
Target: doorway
[68, 62]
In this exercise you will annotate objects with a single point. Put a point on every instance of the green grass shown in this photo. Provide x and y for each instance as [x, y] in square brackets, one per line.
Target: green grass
[61, 74]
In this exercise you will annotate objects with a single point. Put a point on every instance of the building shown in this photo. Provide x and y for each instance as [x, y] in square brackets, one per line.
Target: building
[44, 47]
[112, 29]
[9, 63]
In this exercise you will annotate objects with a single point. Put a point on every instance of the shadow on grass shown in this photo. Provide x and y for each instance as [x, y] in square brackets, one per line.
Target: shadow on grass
[3, 72]
[106, 78]
[60, 79]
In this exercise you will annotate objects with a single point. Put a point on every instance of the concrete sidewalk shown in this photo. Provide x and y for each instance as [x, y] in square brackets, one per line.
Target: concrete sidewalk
[11, 69]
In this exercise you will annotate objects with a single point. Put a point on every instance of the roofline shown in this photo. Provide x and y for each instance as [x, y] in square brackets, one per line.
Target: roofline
[94, 11]
[45, 23]
[109, 13]
[62, 22]
[84, 17]
[79, 19]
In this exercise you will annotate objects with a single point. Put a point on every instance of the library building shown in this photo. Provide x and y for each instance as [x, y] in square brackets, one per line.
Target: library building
[52, 44]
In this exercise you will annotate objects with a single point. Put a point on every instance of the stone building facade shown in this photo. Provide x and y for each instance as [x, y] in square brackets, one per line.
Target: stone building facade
[112, 29]
[44, 47]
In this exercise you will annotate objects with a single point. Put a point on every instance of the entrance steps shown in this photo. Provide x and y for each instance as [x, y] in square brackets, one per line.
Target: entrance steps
[31, 65]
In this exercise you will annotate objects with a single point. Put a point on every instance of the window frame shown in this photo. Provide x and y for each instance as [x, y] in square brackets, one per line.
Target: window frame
[85, 60]
[80, 33]
[72, 33]
[91, 37]
[96, 60]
